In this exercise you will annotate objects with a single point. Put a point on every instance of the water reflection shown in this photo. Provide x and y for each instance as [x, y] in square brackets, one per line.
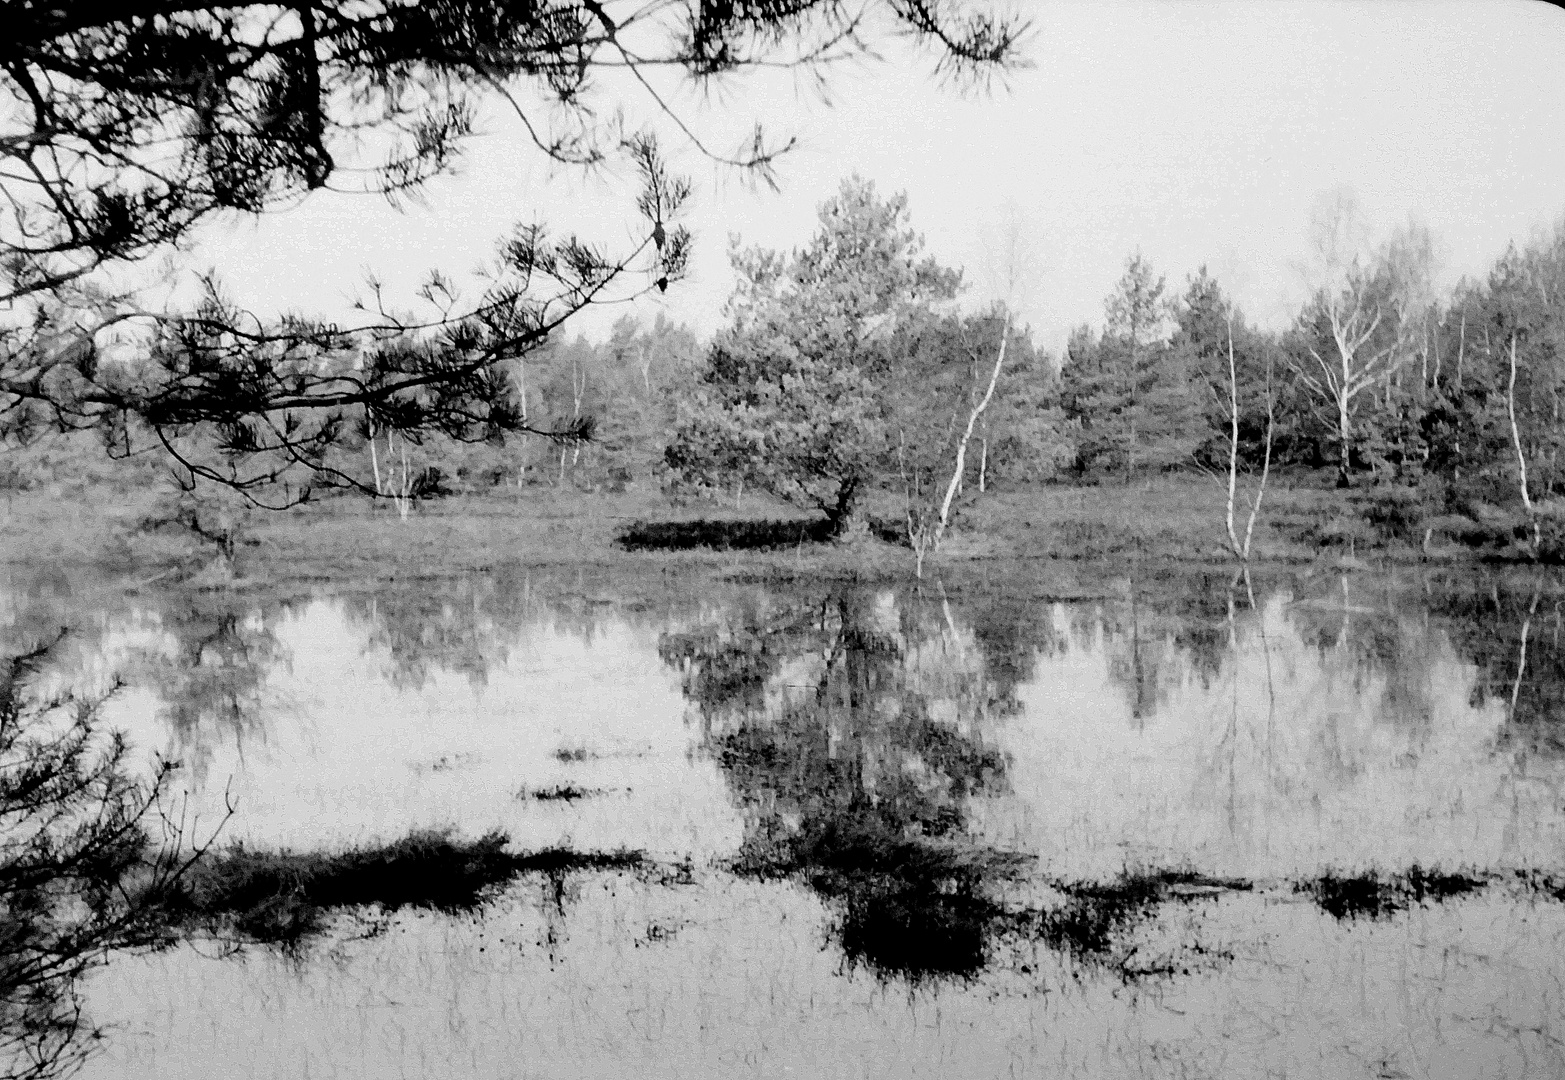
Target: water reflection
[853, 729]
[1192, 788]
[1511, 630]
[1266, 732]
[1336, 729]
[208, 656]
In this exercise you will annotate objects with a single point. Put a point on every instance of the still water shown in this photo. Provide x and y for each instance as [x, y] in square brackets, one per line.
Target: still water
[974, 832]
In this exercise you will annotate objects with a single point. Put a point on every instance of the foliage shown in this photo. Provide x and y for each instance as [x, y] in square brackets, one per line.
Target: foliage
[81, 872]
[631, 383]
[285, 898]
[793, 400]
[132, 124]
[1205, 317]
[246, 404]
[1365, 322]
[1124, 390]
[720, 535]
[1026, 431]
[854, 776]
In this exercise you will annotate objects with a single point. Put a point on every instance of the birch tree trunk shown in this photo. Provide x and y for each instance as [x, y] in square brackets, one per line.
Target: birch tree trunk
[1242, 549]
[967, 434]
[1521, 458]
[374, 459]
[1233, 441]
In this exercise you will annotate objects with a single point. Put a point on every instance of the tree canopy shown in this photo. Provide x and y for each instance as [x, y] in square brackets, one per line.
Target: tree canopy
[131, 124]
[794, 399]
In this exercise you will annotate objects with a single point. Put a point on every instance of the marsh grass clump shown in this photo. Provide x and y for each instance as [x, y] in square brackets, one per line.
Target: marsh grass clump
[1549, 885]
[923, 910]
[1370, 895]
[1089, 924]
[560, 860]
[746, 535]
[722, 535]
[563, 793]
[1092, 923]
[284, 898]
[1352, 896]
[1432, 885]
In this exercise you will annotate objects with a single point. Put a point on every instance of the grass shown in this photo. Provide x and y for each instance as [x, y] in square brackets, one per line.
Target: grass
[1370, 895]
[1096, 914]
[285, 898]
[1075, 535]
[719, 535]
[564, 793]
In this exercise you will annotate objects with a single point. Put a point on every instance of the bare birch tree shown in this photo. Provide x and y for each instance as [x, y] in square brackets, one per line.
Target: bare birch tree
[1242, 549]
[1367, 309]
[960, 467]
[927, 524]
[1521, 457]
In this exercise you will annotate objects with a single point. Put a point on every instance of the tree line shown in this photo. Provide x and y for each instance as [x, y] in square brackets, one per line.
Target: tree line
[1448, 402]
[129, 128]
[847, 365]
[844, 368]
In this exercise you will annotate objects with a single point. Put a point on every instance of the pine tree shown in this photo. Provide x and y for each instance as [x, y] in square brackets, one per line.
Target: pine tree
[1126, 392]
[793, 400]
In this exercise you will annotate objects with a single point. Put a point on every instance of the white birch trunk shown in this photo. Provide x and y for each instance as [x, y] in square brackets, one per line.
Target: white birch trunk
[972, 421]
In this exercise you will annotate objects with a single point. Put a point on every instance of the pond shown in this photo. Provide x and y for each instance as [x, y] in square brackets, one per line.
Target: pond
[1180, 826]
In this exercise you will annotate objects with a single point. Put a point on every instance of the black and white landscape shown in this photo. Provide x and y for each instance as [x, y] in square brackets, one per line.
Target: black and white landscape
[782, 538]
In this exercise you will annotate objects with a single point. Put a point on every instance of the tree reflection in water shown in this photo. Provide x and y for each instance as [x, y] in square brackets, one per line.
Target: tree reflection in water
[210, 663]
[859, 729]
[853, 729]
[1510, 628]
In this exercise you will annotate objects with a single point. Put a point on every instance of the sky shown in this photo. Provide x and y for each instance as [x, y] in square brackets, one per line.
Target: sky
[1195, 133]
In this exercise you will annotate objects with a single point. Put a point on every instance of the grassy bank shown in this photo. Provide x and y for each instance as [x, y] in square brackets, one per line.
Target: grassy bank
[1172, 519]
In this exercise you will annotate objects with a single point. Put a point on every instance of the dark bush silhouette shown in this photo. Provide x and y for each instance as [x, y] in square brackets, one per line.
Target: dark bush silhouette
[743, 535]
[284, 898]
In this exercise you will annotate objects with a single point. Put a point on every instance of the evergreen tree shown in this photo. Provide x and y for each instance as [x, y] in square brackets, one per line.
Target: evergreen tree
[1132, 404]
[1206, 320]
[128, 125]
[793, 401]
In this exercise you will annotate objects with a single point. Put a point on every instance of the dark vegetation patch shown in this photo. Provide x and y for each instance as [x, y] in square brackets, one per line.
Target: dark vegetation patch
[868, 847]
[573, 753]
[284, 897]
[1537, 881]
[910, 909]
[563, 860]
[1370, 895]
[921, 911]
[1092, 922]
[1437, 887]
[722, 535]
[751, 535]
[1555, 887]
[564, 793]
[915, 930]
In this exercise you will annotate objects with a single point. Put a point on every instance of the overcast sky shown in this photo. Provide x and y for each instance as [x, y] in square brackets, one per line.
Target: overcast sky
[1194, 132]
